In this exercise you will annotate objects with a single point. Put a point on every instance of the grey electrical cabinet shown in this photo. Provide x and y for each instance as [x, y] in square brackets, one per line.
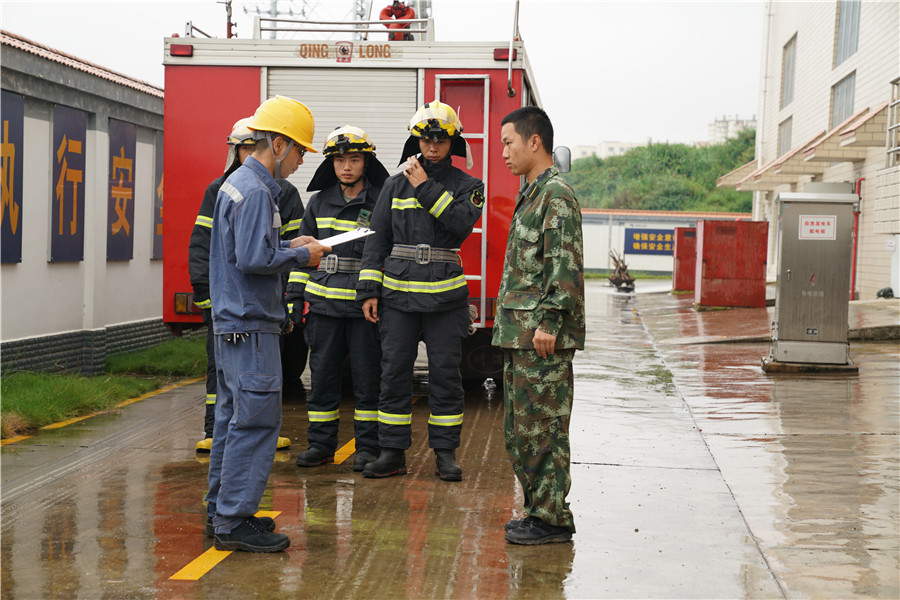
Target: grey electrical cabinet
[815, 245]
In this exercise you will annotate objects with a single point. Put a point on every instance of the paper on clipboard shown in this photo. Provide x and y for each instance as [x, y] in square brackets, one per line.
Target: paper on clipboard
[347, 236]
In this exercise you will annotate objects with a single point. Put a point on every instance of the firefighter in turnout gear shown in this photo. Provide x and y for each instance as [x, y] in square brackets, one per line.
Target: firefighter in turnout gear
[412, 284]
[348, 183]
[240, 146]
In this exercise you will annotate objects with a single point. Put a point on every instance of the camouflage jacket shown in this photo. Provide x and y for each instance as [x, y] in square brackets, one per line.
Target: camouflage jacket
[543, 273]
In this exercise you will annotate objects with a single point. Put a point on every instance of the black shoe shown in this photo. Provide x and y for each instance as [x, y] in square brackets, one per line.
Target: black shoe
[531, 533]
[391, 461]
[513, 523]
[446, 467]
[363, 457]
[251, 536]
[314, 457]
[268, 524]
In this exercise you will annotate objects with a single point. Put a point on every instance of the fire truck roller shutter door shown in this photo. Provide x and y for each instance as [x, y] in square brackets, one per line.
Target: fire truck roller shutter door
[374, 99]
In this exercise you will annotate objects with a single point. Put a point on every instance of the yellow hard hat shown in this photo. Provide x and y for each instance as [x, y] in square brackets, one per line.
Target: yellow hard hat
[347, 139]
[288, 117]
[435, 121]
[241, 135]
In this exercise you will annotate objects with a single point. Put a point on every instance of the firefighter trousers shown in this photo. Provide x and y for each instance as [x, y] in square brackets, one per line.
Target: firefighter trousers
[210, 418]
[331, 339]
[443, 333]
[248, 418]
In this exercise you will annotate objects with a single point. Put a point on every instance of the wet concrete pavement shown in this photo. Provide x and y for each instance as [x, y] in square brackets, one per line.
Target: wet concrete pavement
[695, 475]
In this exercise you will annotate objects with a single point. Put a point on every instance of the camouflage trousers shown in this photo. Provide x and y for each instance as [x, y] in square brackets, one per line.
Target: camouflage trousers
[537, 396]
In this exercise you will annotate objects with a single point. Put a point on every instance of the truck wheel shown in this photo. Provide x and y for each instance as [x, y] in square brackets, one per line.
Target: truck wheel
[480, 359]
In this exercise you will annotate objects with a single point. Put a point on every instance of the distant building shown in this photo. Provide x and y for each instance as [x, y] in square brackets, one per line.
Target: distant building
[728, 127]
[829, 111]
[605, 149]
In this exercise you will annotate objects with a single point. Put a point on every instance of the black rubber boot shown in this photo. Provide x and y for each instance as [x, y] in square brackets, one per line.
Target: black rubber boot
[446, 467]
[313, 457]
[391, 461]
[362, 458]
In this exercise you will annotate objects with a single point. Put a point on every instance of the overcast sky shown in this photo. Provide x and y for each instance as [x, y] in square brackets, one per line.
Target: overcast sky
[606, 71]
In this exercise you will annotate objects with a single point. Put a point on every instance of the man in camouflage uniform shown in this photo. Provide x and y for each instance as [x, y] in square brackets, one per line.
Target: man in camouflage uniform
[539, 325]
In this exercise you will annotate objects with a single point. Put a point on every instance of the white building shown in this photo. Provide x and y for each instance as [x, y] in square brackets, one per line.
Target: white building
[605, 149]
[728, 127]
[829, 111]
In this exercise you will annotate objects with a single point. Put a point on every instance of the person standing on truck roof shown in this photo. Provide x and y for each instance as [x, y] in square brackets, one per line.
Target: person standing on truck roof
[540, 323]
[412, 283]
[397, 10]
[240, 146]
[246, 259]
[348, 183]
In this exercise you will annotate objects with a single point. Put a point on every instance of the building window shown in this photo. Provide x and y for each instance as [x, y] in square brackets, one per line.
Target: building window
[893, 126]
[847, 30]
[789, 59]
[842, 99]
[784, 136]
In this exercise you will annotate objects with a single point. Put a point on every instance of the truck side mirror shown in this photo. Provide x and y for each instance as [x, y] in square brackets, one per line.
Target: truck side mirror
[562, 158]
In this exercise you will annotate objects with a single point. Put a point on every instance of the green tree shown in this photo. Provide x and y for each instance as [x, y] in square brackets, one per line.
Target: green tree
[664, 176]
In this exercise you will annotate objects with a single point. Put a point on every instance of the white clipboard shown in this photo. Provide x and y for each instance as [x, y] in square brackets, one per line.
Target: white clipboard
[347, 236]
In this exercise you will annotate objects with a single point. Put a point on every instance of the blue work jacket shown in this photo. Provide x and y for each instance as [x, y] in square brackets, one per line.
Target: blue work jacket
[247, 255]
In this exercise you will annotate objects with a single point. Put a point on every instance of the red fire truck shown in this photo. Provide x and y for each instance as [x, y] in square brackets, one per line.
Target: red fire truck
[377, 85]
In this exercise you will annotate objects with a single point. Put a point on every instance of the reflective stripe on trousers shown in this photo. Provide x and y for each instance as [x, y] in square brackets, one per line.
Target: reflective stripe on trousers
[330, 339]
[443, 332]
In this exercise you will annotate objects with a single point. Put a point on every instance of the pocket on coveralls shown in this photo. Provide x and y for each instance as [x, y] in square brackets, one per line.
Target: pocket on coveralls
[258, 404]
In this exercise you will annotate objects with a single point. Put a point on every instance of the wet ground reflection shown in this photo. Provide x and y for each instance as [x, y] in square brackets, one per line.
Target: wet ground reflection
[811, 459]
[695, 475]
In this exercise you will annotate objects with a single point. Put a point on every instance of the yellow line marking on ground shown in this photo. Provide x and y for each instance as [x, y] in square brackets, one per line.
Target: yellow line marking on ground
[161, 390]
[201, 565]
[345, 451]
[204, 563]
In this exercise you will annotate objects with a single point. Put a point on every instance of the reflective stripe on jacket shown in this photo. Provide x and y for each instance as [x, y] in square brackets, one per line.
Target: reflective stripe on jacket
[440, 213]
[328, 214]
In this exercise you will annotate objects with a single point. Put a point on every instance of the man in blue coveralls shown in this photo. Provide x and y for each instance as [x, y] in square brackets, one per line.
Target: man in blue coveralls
[246, 258]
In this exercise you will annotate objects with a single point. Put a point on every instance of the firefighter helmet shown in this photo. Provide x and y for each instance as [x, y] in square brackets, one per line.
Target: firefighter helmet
[288, 117]
[435, 121]
[348, 139]
[344, 140]
[241, 135]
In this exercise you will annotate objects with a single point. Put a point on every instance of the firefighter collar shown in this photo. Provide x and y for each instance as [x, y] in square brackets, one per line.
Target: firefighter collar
[334, 195]
[438, 169]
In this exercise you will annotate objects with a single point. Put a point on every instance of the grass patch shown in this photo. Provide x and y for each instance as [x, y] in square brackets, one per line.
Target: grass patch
[33, 400]
[179, 357]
